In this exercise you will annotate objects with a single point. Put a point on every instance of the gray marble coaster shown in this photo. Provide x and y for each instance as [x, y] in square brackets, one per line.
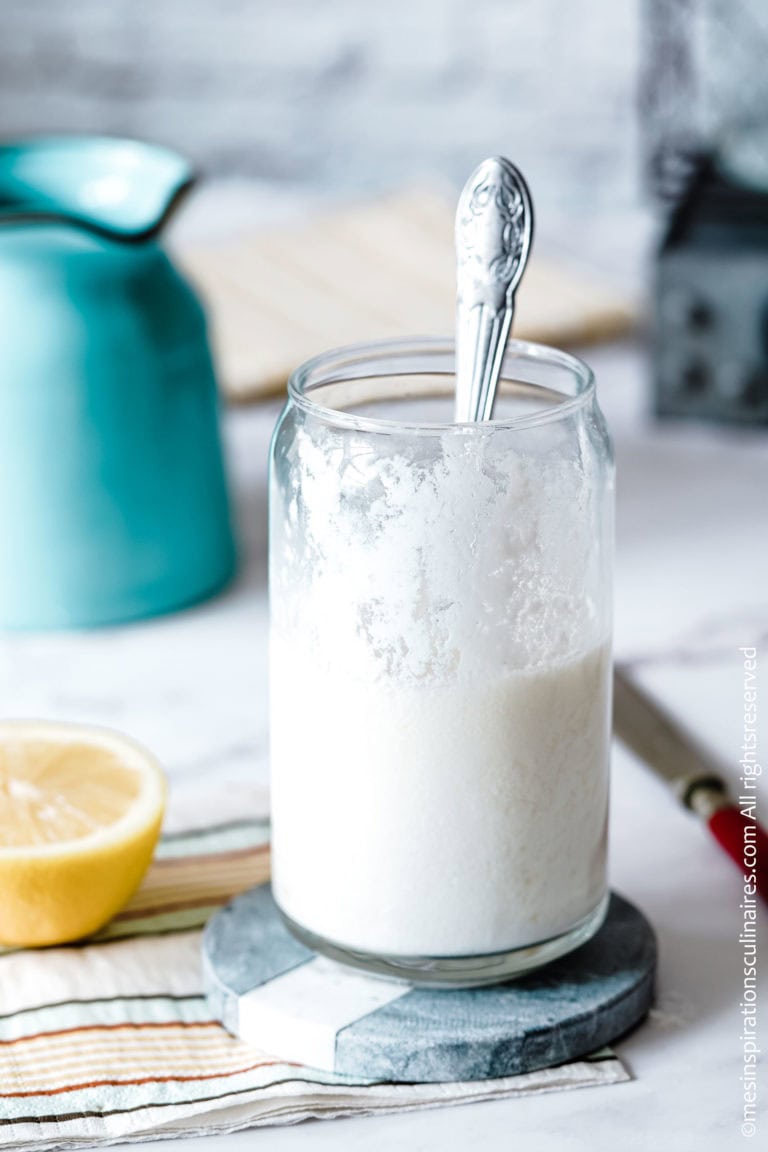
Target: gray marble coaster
[273, 992]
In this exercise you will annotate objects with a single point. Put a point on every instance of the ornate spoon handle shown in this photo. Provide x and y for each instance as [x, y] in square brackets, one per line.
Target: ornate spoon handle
[494, 228]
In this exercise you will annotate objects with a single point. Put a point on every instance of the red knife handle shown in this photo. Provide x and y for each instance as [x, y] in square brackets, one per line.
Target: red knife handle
[744, 841]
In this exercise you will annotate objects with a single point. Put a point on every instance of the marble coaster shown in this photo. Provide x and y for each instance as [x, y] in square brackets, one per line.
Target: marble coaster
[274, 993]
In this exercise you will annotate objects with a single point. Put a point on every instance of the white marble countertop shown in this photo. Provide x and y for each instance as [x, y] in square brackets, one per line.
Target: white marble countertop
[691, 588]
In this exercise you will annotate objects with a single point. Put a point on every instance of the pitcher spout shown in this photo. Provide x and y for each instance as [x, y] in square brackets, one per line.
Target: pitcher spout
[123, 189]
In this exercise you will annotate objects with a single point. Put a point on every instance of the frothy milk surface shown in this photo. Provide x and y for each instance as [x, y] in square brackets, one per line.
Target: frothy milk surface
[440, 693]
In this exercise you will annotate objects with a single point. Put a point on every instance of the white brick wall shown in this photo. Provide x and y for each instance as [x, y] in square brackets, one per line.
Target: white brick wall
[350, 92]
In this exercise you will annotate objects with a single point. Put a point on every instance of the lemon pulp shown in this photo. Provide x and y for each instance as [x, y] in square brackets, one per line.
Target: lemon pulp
[80, 813]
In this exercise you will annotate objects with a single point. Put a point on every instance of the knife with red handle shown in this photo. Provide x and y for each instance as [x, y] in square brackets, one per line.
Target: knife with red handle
[693, 773]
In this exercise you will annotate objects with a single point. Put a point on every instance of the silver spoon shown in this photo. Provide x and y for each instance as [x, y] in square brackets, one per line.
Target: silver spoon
[494, 228]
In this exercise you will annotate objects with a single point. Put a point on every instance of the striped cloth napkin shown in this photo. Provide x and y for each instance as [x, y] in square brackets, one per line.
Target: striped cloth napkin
[112, 1041]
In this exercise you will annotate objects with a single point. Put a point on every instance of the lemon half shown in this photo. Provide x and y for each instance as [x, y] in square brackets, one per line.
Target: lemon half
[80, 814]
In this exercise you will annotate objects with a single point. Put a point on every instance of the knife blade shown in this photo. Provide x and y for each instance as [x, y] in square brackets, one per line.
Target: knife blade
[691, 770]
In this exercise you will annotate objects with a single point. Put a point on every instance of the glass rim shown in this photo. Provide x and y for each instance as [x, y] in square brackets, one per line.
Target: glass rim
[324, 366]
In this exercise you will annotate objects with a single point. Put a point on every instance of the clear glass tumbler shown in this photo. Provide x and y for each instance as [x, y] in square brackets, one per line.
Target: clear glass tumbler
[440, 663]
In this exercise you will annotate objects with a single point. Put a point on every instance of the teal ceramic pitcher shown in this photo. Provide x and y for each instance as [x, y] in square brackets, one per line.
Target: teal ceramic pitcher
[113, 495]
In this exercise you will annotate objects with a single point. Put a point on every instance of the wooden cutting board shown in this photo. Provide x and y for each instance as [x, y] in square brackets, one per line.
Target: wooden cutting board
[377, 270]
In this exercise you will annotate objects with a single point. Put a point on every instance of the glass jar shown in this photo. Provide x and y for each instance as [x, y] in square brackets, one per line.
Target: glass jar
[440, 663]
